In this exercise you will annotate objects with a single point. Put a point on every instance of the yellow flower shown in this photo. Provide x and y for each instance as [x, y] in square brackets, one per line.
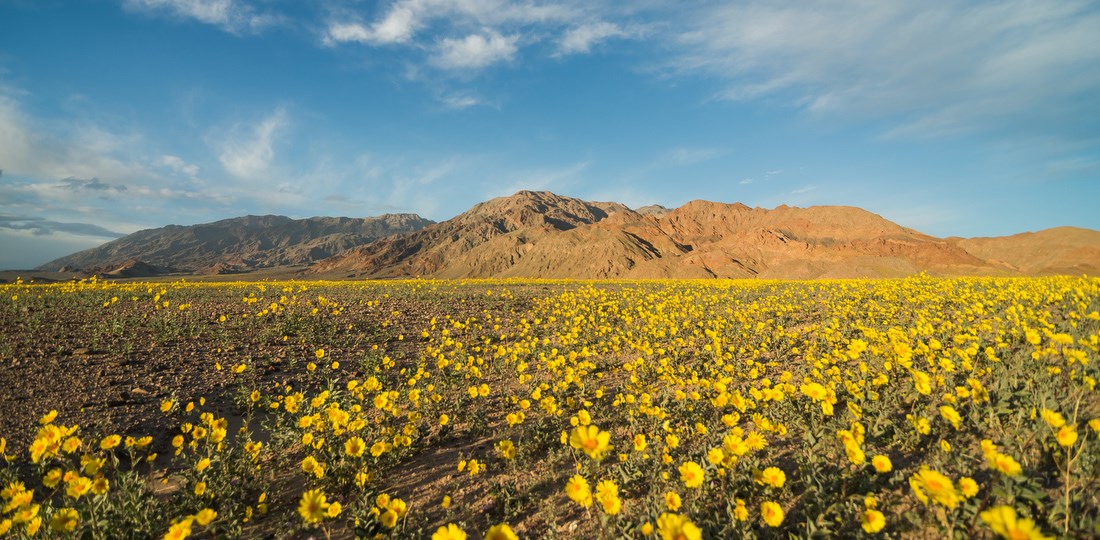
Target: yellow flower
[17, 495]
[772, 476]
[578, 491]
[1052, 418]
[166, 405]
[501, 532]
[814, 391]
[882, 463]
[922, 382]
[200, 489]
[447, 501]
[873, 521]
[72, 444]
[52, 478]
[951, 415]
[927, 483]
[205, 516]
[444, 419]
[677, 527]
[1003, 521]
[355, 447]
[64, 520]
[740, 511]
[772, 513]
[968, 487]
[319, 353]
[91, 465]
[672, 441]
[389, 519]
[691, 474]
[33, 526]
[608, 495]
[179, 531]
[672, 500]
[334, 509]
[591, 440]
[1066, 436]
[379, 448]
[313, 506]
[100, 485]
[48, 417]
[78, 487]
[202, 464]
[450, 532]
[715, 456]
[855, 454]
[639, 443]
[110, 442]
[26, 513]
[1004, 463]
[507, 449]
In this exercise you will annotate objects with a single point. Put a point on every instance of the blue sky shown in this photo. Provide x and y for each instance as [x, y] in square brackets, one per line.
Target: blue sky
[953, 118]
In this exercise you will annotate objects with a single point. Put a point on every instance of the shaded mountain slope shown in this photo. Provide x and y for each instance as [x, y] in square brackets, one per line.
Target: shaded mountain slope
[242, 243]
[539, 234]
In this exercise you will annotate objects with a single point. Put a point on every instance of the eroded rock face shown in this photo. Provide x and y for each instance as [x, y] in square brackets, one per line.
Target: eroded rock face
[241, 244]
[539, 234]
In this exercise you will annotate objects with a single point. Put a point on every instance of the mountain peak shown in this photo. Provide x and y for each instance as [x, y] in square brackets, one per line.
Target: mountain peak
[539, 234]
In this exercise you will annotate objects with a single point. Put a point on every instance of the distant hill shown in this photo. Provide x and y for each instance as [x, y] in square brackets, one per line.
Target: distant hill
[1061, 250]
[537, 234]
[236, 245]
[540, 234]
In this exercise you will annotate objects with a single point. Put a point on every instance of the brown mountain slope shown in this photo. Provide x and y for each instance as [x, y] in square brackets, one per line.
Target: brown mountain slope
[1061, 250]
[242, 244]
[486, 240]
[539, 234]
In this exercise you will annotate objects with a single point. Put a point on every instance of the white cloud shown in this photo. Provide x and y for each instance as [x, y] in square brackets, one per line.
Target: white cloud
[746, 181]
[249, 156]
[230, 15]
[930, 69]
[178, 165]
[81, 150]
[581, 39]
[460, 101]
[475, 51]
[398, 26]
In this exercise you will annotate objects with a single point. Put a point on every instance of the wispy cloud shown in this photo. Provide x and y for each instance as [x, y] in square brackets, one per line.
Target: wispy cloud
[230, 15]
[580, 39]
[475, 51]
[459, 101]
[248, 154]
[929, 69]
[177, 164]
[44, 227]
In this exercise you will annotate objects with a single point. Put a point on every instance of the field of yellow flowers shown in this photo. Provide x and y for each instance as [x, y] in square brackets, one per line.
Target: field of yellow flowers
[915, 408]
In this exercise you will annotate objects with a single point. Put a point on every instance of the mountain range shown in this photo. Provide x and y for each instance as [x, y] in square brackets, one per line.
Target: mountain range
[542, 235]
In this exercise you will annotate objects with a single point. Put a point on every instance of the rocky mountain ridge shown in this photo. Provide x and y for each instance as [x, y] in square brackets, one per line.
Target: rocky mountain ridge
[538, 234]
[240, 244]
